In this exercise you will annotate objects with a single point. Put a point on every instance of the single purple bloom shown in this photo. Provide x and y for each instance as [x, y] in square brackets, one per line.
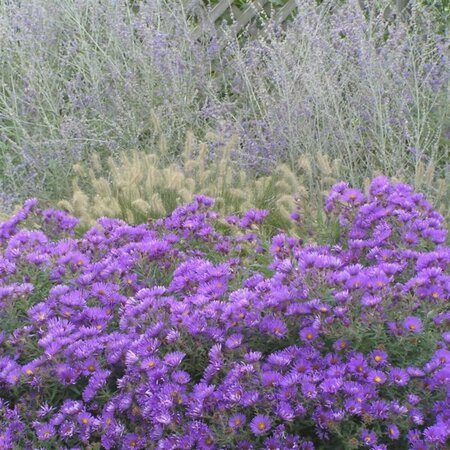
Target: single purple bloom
[393, 431]
[412, 324]
[236, 420]
[260, 424]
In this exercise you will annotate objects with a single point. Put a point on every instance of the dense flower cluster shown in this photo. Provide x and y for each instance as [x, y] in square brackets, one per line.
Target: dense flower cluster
[190, 332]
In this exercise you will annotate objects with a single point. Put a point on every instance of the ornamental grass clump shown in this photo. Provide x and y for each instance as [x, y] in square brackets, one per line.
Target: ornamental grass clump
[192, 331]
[137, 186]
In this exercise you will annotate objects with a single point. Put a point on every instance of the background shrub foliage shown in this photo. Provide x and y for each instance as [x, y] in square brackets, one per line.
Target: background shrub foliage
[82, 78]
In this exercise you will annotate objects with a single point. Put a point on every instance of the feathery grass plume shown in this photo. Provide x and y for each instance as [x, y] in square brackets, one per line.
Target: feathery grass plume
[139, 186]
[142, 206]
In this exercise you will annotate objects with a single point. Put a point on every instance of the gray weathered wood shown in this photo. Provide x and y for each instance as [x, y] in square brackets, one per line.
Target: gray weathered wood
[251, 11]
[218, 11]
[242, 18]
[285, 11]
[245, 19]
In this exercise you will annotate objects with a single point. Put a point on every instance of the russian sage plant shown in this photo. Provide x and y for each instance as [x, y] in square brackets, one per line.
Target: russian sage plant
[83, 77]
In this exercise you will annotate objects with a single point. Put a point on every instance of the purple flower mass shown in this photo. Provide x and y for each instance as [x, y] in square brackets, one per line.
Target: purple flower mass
[147, 336]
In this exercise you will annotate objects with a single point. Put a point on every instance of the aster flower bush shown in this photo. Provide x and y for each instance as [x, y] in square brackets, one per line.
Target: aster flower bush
[194, 332]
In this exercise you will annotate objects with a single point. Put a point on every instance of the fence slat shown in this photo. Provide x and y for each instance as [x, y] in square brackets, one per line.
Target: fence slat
[219, 9]
[285, 11]
[248, 14]
[241, 18]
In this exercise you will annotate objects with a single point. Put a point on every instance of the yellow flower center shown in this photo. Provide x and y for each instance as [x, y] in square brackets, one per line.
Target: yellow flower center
[261, 426]
[378, 358]
[377, 379]
[309, 336]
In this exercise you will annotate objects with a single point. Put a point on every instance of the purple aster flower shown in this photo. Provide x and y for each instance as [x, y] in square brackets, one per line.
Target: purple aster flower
[379, 409]
[369, 438]
[180, 377]
[271, 378]
[331, 385]
[85, 419]
[309, 390]
[275, 327]
[308, 334]
[415, 372]
[204, 200]
[413, 399]
[412, 324]
[378, 357]
[260, 424]
[253, 216]
[398, 376]
[353, 406]
[252, 356]
[370, 300]
[341, 345]
[413, 436]
[376, 377]
[67, 429]
[44, 431]
[133, 441]
[416, 416]
[173, 359]
[358, 365]
[236, 420]
[244, 445]
[234, 341]
[393, 431]
[285, 411]
[437, 434]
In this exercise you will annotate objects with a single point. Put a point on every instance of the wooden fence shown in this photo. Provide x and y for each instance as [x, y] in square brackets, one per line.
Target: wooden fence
[242, 19]
[247, 17]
